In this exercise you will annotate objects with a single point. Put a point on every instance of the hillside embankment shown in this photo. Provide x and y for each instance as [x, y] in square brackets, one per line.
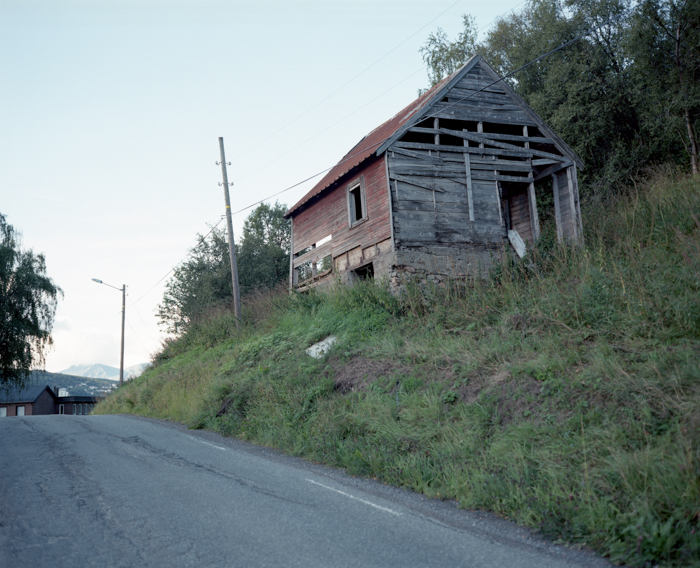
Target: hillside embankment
[563, 392]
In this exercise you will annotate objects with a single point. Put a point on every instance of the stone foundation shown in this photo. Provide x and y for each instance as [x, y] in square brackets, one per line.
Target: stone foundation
[437, 265]
[423, 266]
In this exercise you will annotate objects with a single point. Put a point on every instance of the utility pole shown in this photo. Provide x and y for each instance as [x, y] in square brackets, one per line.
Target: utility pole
[121, 363]
[231, 242]
[123, 291]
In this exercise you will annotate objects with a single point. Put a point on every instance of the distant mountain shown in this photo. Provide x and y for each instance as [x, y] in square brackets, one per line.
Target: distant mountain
[99, 371]
[135, 370]
[76, 386]
[95, 371]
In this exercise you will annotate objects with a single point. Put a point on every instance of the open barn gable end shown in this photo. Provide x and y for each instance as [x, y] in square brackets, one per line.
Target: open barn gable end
[438, 190]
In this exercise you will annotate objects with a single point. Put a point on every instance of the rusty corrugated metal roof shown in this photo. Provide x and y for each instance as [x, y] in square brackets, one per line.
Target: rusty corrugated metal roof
[367, 146]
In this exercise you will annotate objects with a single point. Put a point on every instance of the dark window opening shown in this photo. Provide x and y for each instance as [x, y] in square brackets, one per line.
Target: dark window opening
[514, 129]
[357, 198]
[447, 140]
[420, 137]
[357, 205]
[365, 272]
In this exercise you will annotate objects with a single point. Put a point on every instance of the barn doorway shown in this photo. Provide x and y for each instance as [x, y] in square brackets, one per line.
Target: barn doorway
[365, 272]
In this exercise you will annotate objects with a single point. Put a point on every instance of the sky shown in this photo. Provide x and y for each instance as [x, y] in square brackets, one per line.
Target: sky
[110, 114]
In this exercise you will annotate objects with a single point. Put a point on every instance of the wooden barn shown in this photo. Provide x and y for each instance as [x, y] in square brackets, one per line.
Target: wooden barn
[438, 191]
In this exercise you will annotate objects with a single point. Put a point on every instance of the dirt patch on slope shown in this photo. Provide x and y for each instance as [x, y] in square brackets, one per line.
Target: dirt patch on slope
[358, 373]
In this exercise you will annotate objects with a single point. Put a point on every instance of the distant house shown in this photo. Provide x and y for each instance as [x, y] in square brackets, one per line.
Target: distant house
[29, 401]
[437, 191]
[76, 404]
[40, 400]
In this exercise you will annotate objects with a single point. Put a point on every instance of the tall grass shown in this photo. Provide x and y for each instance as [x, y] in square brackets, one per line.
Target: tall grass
[563, 392]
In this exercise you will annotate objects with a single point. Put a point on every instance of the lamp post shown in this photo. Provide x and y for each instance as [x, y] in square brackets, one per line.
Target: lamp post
[123, 291]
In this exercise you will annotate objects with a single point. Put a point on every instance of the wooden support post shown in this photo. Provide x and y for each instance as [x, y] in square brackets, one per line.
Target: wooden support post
[557, 209]
[572, 204]
[534, 217]
[436, 126]
[313, 264]
[291, 255]
[480, 130]
[468, 168]
[391, 206]
[579, 221]
[498, 203]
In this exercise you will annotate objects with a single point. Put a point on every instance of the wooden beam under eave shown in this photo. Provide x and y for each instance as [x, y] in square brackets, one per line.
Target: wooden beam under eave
[534, 217]
[557, 209]
[579, 221]
[552, 170]
[572, 205]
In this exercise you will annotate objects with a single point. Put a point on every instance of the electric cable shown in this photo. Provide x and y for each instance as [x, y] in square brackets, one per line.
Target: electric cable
[234, 158]
[507, 75]
[137, 337]
[343, 85]
[174, 267]
[329, 127]
[562, 46]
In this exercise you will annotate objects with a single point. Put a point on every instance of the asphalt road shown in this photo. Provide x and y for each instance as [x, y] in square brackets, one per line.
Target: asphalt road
[125, 491]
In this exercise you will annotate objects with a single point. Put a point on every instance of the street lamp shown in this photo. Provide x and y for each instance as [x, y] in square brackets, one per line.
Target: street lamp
[123, 291]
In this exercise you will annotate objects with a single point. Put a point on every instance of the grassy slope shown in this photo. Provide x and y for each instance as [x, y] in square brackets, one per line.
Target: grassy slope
[564, 393]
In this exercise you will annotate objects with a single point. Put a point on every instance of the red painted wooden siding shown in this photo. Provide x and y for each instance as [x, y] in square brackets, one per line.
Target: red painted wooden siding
[329, 215]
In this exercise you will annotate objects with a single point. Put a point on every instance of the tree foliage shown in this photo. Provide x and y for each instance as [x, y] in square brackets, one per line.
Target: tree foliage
[263, 256]
[623, 97]
[28, 300]
[203, 281]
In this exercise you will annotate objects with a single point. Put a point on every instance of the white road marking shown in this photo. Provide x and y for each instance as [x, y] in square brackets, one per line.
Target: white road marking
[207, 443]
[356, 498]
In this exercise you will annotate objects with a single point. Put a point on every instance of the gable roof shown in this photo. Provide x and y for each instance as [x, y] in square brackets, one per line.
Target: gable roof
[366, 147]
[377, 141]
[27, 394]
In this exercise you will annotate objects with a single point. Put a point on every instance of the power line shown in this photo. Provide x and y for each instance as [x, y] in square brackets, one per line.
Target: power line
[501, 16]
[174, 267]
[507, 75]
[253, 205]
[331, 126]
[357, 109]
[145, 326]
[138, 338]
[343, 85]
[562, 46]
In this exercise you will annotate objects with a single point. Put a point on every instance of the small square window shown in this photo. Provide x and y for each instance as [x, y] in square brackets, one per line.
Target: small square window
[357, 208]
[20, 411]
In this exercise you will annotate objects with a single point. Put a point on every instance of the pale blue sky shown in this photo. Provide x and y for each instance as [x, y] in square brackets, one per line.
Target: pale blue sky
[110, 113]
